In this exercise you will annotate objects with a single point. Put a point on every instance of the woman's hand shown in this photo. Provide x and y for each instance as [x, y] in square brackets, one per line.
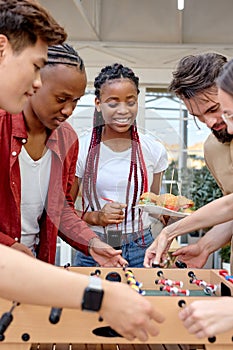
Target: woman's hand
[157, 251]
[111, 213]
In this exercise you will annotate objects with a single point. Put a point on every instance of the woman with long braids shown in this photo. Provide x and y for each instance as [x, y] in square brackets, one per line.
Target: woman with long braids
[116, 164]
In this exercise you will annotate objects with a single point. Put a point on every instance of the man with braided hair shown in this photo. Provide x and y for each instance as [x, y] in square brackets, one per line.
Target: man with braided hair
[116, 164]
[40, 153]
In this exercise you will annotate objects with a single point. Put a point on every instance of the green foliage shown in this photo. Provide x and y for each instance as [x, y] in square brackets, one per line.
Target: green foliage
[225, 253]
[201, 187]
[197, 184]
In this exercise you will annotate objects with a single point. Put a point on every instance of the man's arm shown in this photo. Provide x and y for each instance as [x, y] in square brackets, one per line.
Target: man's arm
[31, 281]
[196, 255]
[214, 213]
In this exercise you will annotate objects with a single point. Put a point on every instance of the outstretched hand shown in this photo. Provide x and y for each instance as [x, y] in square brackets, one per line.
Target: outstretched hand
[105, 255]
[157, 251]
[193, 255]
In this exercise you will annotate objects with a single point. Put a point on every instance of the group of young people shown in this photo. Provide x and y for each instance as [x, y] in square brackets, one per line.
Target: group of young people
[45, 166]
[33, 107]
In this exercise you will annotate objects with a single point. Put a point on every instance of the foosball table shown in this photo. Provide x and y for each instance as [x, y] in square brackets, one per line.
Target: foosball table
[39, 328]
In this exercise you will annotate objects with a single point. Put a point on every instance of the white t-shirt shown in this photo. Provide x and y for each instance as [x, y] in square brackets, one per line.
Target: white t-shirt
[35, 177]
[113, 172]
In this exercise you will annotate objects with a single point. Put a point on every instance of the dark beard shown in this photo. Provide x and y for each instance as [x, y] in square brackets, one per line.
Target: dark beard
[222, 135]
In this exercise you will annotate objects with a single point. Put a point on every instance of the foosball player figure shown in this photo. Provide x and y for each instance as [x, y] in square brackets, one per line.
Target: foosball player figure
[175, 290]
[225, 274]
[207, 287]
[166, 281]
[131, 280]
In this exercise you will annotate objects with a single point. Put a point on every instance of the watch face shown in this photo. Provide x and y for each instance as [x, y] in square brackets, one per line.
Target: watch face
[92, 299]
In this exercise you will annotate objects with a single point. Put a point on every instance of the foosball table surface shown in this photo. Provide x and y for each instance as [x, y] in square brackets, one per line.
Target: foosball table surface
[32, 330]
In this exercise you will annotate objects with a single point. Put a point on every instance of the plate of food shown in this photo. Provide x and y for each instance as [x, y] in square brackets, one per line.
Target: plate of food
[166, 204]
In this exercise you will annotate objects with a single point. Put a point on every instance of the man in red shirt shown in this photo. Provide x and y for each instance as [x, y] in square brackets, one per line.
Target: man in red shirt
[39, 155]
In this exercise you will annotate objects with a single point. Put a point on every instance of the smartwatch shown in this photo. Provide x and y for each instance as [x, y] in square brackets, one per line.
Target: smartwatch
[93, 295]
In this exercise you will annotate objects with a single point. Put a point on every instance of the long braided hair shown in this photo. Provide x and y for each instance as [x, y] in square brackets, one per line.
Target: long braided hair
[110, 73]
[64, 54]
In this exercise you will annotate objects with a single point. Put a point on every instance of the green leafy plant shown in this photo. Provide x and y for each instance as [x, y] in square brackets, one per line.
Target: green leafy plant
[225, 253]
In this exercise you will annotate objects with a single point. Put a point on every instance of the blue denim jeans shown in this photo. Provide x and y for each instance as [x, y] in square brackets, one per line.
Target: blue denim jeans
[133, 251]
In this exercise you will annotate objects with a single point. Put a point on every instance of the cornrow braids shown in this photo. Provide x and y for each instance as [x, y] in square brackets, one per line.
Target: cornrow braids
[196, 73]
[109, 73]
[64, 54]
[116, 71]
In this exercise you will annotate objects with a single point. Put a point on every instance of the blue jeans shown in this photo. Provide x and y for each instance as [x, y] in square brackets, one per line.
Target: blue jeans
[133, 251]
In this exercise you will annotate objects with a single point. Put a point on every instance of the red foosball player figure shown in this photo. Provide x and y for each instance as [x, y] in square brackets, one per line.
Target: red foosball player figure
[208, 287]
[225, 274]
[167, 282]
[175, 290]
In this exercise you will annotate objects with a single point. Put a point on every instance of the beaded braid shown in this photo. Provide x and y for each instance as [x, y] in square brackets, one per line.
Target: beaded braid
[110, 73]
[64, 54]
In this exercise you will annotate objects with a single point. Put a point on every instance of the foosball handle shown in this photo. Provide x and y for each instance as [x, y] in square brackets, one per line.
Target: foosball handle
[180, 264]
[212, 339]
[5, 321]
[181, 303]
[155, 265]
[191, 274]
[55, 315]
[160, 273]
